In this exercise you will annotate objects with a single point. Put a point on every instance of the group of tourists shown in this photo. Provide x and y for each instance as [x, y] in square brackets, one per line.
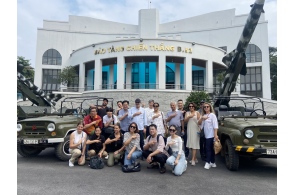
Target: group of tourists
[127, 135]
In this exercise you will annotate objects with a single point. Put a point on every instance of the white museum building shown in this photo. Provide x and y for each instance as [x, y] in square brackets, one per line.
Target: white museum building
[151, 57]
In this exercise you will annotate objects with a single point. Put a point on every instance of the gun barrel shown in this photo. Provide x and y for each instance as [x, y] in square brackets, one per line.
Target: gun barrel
[251, 23]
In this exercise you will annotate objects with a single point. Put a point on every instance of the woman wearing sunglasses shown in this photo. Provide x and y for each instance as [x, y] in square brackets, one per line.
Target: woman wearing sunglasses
[209, 122]
[177, 160]
[131, 143]
[193, 140]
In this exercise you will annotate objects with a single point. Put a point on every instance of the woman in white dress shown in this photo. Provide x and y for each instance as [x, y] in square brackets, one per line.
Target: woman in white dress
[193, 140]
[157, 118]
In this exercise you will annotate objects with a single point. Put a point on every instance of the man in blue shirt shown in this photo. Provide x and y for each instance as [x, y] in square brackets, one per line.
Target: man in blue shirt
[123, 117]
[137, 114]
[175, 117]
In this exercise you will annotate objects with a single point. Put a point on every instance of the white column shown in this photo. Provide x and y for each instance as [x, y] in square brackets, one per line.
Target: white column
[128, 75]
[209, 76]
[157, 75]
[188, 73]
[177, 75]
[162, 72]
[120, 72]
[111, 77]
[81, 77]
[97, 74]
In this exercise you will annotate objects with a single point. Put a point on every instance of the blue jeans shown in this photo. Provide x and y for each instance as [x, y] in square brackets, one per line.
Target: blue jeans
[135, 155]
[181, 165]
[210, 154]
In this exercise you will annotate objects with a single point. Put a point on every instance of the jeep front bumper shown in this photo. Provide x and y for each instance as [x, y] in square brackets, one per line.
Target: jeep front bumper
[39, 140]
[256, 150]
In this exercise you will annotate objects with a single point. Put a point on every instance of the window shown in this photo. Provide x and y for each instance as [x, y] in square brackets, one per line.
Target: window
[217, 74]
[135, 76]
[253, 54]
[170, 77]
[251, 83]
[50, 80]
[198, 80]
[51, 57]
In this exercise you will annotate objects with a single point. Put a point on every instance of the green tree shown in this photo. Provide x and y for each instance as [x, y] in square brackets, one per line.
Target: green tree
[273, 71]
[67, 75]
[196, 97]
[27, 70]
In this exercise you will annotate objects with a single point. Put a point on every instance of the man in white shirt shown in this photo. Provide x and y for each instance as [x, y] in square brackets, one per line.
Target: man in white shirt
[137, 114]
[149, 112]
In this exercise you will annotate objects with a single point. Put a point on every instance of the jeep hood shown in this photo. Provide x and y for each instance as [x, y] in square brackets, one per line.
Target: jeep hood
[55, 119]
[241, 123]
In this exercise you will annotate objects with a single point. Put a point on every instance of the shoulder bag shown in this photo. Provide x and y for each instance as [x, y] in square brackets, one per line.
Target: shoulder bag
[166, 134]
[81, 159]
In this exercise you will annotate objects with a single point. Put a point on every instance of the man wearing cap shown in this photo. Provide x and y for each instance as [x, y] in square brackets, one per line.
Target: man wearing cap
[123, 117]
[202, 139]
[149, 112]
[137, 114]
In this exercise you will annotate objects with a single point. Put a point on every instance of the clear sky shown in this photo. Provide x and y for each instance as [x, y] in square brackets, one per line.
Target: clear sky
[31, 13]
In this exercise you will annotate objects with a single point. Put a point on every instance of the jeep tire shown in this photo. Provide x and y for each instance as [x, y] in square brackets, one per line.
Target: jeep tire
[231, 157]
[62, 149]
[28, 151]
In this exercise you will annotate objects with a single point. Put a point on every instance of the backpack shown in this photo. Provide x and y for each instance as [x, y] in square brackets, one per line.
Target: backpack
[169, 151]
[96, 162]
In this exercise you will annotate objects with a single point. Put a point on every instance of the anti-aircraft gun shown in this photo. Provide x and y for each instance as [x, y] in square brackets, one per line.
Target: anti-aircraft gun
[236, 60]
[243, 133]
[41, 104]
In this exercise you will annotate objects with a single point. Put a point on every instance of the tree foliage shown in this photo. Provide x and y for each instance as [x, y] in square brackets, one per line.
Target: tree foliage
[28, 71]
[273, 71]
[67, 75]
[196, 97]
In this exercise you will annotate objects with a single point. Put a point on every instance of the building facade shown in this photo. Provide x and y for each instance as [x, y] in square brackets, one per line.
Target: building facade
[178, 56]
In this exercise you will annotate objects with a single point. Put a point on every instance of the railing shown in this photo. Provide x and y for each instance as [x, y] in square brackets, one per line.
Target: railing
[213, 90]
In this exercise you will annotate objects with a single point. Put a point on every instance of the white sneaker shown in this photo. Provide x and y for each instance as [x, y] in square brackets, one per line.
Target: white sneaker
[193, 163]
[70, 164]
[106, 157]
[185, 166]
[213, 165]
[207, 166]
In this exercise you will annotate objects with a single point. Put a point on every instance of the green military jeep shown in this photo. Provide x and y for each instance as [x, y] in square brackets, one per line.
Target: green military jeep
[54, 129]
[246, 131]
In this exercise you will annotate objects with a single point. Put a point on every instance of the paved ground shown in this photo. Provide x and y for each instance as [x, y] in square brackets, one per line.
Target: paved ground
[45, 174]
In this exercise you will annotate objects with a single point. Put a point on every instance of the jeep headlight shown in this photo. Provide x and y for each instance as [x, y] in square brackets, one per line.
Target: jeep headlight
[249, 133]
[19, 127]
[51, 127]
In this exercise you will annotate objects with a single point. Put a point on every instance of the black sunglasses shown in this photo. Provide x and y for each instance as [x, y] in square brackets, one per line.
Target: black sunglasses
[191, 106]
[133, 127]
[172, 130]
[156, 106]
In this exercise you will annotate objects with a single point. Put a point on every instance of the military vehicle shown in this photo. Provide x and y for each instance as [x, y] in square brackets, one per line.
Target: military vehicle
[244, 131]
[54, 129]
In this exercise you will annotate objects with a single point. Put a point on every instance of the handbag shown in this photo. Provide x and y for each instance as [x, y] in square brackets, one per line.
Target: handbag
[202, 134]
[169, 151]
[96, 162]
[217, 146]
